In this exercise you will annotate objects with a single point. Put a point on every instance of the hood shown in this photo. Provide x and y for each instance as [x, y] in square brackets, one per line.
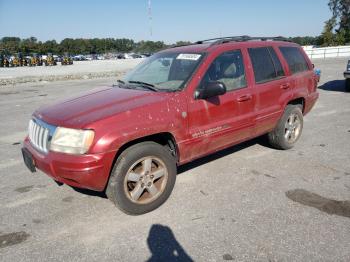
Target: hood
[78, 112]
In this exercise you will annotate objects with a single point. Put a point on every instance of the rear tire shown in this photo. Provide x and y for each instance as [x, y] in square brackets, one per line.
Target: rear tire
[288, 129]
[347, 85]
[142, 178]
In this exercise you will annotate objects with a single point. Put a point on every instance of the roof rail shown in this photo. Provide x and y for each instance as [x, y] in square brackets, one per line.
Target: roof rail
[225, 38]
[243, 38]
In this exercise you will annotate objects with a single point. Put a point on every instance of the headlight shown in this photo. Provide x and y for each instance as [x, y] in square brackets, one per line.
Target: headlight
[72, 141]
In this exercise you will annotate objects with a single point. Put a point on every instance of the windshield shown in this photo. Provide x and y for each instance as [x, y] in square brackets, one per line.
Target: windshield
[168, 71]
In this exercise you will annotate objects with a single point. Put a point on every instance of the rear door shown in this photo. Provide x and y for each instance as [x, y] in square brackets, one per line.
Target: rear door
[302, 75]
[271, 86]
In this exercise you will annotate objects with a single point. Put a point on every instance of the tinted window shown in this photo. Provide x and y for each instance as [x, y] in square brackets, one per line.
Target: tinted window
[295, 59]
[276, 62]
[264, 69]
[228, 68]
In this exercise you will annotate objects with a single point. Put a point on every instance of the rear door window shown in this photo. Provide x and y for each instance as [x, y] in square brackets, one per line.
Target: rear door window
[295, 59]
[266, 64]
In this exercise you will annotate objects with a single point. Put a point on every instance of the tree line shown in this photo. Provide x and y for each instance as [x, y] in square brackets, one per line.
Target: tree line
[12, 45]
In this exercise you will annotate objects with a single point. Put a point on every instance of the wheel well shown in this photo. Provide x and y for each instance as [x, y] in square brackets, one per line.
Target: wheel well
[298, 101]
[165, 139]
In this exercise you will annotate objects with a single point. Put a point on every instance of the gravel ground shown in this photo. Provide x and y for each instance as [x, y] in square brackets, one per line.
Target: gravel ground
[246, 203]
[79, 70]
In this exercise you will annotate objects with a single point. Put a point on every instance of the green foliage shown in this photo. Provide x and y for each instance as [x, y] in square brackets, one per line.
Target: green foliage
[337, 28]
[180, 43]
[149, 46]
[9, 45]
[341, 37]
[328, 36]
[305, 40]
[12, 45]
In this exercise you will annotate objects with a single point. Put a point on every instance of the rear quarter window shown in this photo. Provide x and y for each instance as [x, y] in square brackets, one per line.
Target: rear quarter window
[295, 59]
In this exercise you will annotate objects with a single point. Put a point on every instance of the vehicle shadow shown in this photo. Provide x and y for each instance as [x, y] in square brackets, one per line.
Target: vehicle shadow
[262, 140]
[89, 192]
[193, 164]
[334, 85]
[164, 246]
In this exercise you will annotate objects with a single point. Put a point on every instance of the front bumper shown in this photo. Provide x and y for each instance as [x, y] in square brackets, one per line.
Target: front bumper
[347, 74]
[89, 171]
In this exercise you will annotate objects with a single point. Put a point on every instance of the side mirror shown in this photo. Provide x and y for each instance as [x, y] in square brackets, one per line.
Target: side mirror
[210, 89]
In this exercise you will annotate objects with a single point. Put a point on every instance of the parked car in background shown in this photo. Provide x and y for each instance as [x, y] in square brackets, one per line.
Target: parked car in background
[57, 58]
[2, 60]
[5, 61]
[176, 106]
[347, 77]
[136, 56]
[120, 56]
[79, 58]
[128, 56]
[89, 57]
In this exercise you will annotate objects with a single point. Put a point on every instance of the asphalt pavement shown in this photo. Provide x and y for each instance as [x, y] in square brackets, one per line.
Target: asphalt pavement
[246, 203]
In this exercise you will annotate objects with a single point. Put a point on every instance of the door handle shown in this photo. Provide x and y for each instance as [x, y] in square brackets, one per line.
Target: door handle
[285, 86]
[244, 98]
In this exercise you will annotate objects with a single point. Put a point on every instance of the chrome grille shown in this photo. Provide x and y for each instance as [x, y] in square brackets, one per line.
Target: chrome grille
[39, 136]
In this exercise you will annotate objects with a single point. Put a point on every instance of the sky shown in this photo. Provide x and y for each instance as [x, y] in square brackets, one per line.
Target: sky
[172, 21]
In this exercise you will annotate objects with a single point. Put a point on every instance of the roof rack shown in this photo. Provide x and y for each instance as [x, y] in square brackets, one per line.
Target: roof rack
[224, 39]
[242, 38]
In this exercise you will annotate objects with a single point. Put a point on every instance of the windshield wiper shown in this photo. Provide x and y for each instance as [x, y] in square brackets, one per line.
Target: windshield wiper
[145, 85]
[119, 82]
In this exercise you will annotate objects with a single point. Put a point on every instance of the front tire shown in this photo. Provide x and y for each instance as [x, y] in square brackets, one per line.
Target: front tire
[288, 129]
[142, 178]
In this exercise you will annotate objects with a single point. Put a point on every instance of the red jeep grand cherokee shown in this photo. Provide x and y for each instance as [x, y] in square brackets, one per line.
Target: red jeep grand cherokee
[178, 105]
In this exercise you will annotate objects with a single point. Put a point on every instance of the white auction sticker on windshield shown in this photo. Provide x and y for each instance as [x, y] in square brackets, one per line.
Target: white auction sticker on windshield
[188, 56]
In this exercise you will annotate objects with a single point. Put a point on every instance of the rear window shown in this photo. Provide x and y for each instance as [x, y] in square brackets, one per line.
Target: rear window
[266, 65]
[295, 59]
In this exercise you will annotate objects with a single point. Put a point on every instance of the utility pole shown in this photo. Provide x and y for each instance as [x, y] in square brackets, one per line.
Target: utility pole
[150, 18]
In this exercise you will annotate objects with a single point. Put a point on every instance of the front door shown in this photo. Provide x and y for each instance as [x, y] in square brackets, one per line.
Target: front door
[220, 121]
